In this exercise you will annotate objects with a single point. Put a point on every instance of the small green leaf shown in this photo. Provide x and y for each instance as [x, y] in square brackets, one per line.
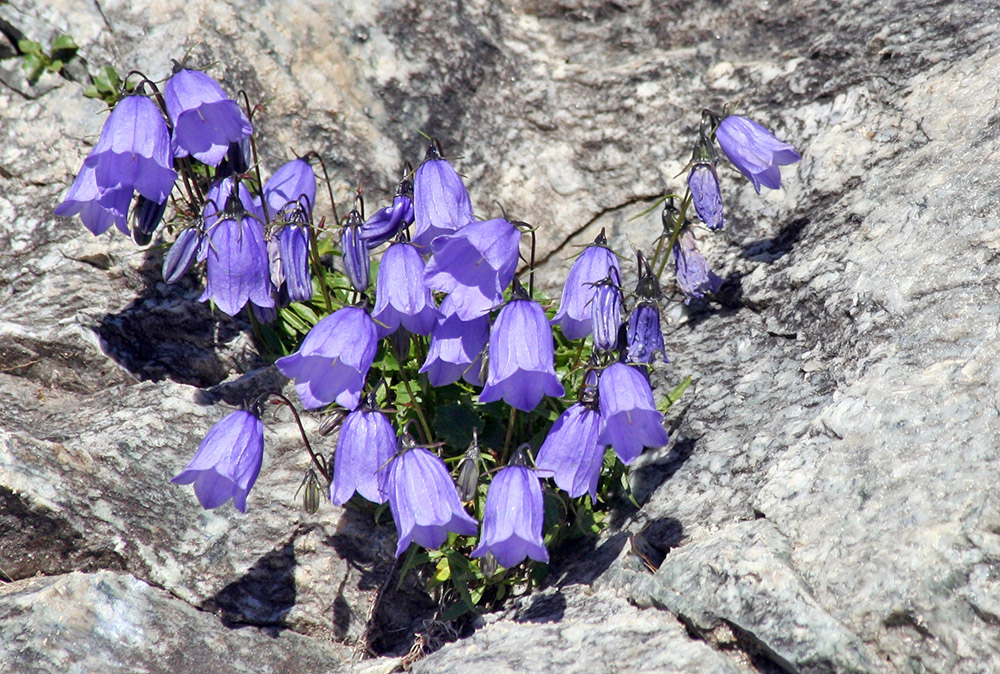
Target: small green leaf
[664, 403]
[30, 47]
[63, 48]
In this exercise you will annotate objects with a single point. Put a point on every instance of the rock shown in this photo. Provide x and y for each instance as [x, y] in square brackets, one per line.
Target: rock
[113, 622]
[828, 500]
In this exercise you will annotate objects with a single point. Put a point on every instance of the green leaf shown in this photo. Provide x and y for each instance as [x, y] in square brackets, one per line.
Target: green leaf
[63, 48]
[664, 403]
[29, 48]
[454, 422]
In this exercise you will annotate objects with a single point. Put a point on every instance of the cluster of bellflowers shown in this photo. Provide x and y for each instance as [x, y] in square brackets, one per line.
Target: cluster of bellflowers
[391, 319]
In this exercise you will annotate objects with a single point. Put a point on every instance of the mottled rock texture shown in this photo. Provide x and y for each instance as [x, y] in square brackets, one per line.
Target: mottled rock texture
[829, 499]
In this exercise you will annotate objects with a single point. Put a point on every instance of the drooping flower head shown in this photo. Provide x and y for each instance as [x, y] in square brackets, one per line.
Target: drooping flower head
[366, 442]
[571, 453]
[227, 462]
[593, 264]
[441, 204]
[357, 265]
[134, 151]
[132, 154]
[292, 188]
[643, 337]
[205, 120]
[146, 217]
[455, 347]
[521, 356]
[631, 420]
[514, 516]
[424, 501]
[183, 253]
[703, 181]
[333, 360]
[401, 298]
[475, 265]
[693, 275]
[98, 209]
[389, 221]
[237, 269]
[606, 312]
[754, 151]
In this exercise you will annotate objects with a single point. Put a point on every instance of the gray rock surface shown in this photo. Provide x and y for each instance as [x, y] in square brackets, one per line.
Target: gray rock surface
[829, 499]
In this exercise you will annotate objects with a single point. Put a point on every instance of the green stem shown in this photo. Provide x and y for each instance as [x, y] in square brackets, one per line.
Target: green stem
[510, 435]
[318, 270]
[685, 204]
[416, 405]
[317, 461]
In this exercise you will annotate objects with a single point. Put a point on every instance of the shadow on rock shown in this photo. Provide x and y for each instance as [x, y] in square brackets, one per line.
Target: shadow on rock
[263, 596]
[769, 250]
[583, 561]
[655, 540]
[646, 479]
[165, 332]
[392, 610]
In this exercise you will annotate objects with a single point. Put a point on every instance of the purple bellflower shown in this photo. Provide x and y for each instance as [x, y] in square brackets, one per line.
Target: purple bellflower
[643, 337]
[593, 264]
[98, 209]
[754, 151]
[631, 420]
[146, 217]
[389, 221]
[289, 196]
[333, 360]
[182, 254]
[366, 443]
[514, 516]
[291, 188]
[606, 313]
[132, 154]
[401, 298]
[693, 275]
[227, 461]
[571, 453]
[424, 501]
[475, 265]
[205, 120]
[134, 151]
[357, 265]
[441, 204]
[521, 360]
[237, 267]
[455, 348]
[703, 181]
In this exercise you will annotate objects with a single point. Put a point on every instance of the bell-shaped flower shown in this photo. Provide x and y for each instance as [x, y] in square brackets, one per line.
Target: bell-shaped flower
[475, 265]
[357, 265]
[98, 210]
[704, 184]
[134, 151]
[293, 262]
[182, 254]
[205, 120]
[366, 443]
[593, 264]
[441, 204]
[423, 501]
[571, 453]
[644, 337]
[606, 314]
[455, 347]
[401, 298]
[693, 275]
[521, 357]
[754, 151]
[237, 269]
[389, 221]
[513, 517]
[291, 189]
[227, 461]
[703, 181]
[631, 420]
[333, 360]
